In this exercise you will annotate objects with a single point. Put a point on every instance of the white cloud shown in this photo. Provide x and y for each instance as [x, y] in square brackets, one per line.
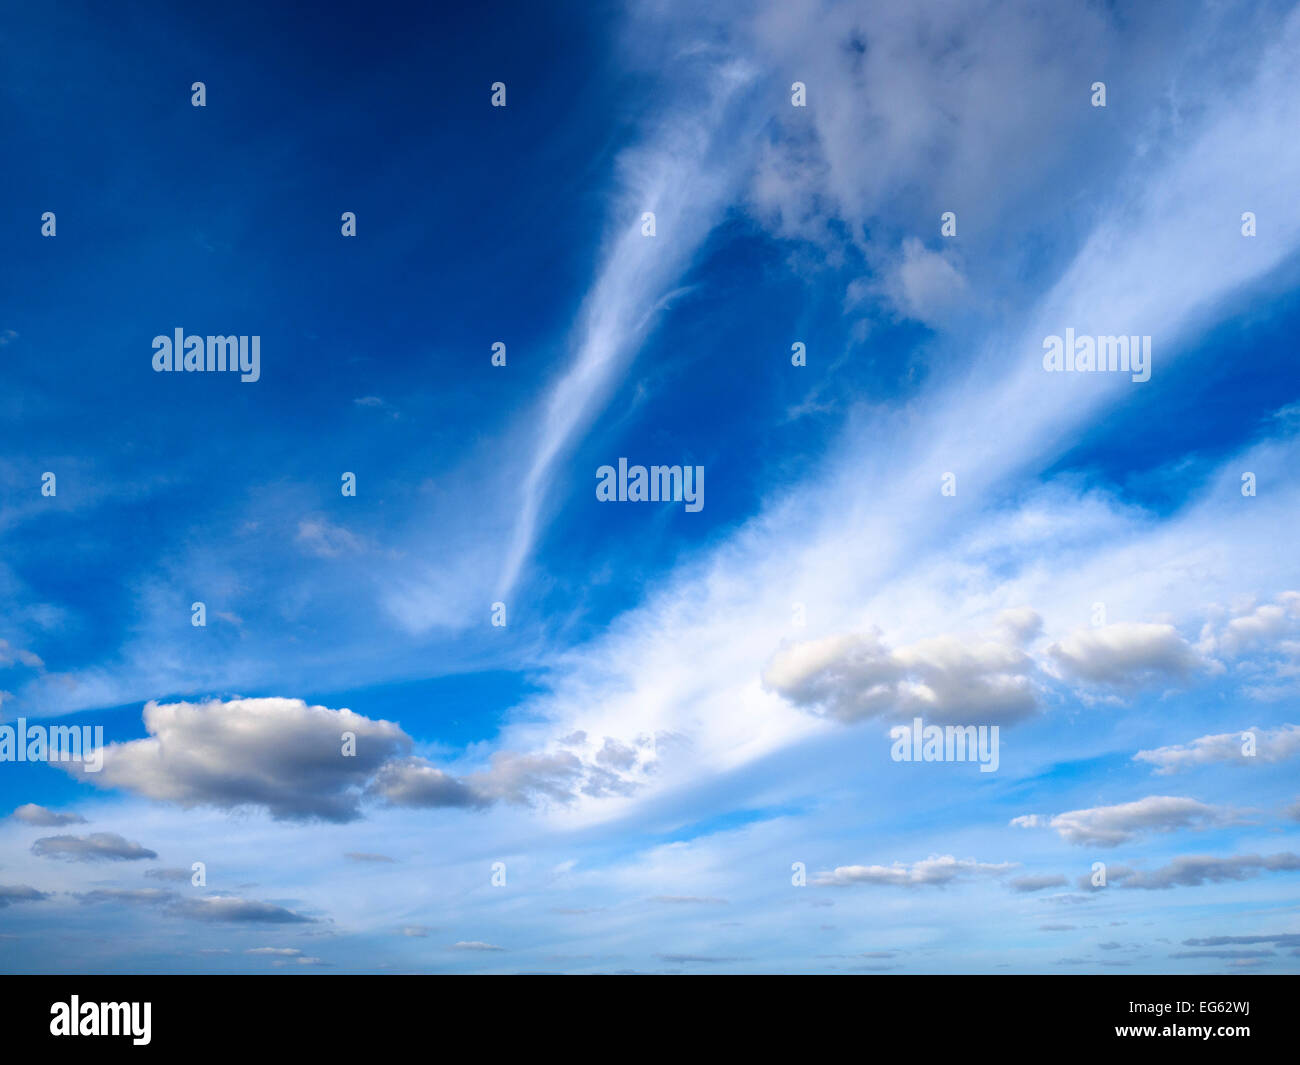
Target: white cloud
[924, 285]
[1125, 654]
[303, 762]
[948, 678]
[1108, 826]
[1269, 745]
[277, 753]
[932, 871]
[32, 814]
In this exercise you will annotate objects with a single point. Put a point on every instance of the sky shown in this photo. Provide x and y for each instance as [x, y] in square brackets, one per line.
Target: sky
[451, 707]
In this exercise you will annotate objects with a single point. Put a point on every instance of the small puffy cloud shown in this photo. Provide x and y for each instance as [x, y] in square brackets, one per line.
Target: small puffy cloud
[845, 677]
[1269, 745]
[1125, 655]
[416, 782]
[948, 679]
[285, 952]
[523, 779]
[933, 871]
[292, 760]
[32, 814]
[96, 847]
[276, 753]
[474, 944]
[11, 893]
[518, 778]
[1258, 628]
[324, 540]
[1259, 625]
[363, 856]
[1108, 826]
[924, 285]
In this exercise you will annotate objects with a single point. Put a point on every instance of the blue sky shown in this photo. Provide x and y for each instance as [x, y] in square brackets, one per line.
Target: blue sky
[681, 705]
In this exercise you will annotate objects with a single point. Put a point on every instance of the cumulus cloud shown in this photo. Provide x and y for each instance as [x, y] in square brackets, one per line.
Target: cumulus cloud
[1258, 628]
[947, 678]
[276, 753]
[1269, 745]
[414, 781]
[474, 944]
[32, 814]
[935, 870]
[1125, 655]
[519, 777]
[289, 758]
[924, 285]
[97, 847]
[1108, 826]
